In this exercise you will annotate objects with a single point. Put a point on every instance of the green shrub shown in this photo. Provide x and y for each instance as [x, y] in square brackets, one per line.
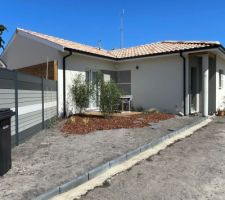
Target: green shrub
[81, 92]
[109, 98]
[109, 95]
[51, 122]
[140, 109]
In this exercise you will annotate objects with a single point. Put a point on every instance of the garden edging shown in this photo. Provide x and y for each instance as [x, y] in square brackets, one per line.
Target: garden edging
[77, 181]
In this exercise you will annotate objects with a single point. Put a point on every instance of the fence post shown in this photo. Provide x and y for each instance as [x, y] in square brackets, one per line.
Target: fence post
[16, 108]
[43, 102]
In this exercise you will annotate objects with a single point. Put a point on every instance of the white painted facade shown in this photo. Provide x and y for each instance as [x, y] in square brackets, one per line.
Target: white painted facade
[220, 92]
[80, 64]
[26, 52]
[157, 83]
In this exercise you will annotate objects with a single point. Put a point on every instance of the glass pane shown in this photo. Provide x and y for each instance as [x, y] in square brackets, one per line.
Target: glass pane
[95, 100]
[107, 77]
[87, 74]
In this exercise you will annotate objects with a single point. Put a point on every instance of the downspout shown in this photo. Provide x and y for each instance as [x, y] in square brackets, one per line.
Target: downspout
[184, 81]
[64, 82]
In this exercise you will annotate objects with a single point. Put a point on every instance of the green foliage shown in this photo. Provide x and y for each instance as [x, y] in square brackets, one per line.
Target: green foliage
[51, 122]
[81, 92]
[2, 29]
[109, 98]
[140, 109]
[107, 92]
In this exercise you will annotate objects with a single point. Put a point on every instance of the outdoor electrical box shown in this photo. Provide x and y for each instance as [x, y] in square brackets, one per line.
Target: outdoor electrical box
[5, 140]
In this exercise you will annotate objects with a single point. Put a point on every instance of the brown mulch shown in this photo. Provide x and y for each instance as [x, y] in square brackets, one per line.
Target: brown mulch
[78, 124]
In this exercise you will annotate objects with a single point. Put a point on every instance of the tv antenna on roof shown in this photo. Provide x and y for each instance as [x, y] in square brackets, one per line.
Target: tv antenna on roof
[122, 28]
[99, 44]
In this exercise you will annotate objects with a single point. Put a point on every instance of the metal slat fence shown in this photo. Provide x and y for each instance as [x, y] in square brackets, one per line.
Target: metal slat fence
[33, 99]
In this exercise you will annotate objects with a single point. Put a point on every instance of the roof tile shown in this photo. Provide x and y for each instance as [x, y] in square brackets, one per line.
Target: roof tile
[142, 50]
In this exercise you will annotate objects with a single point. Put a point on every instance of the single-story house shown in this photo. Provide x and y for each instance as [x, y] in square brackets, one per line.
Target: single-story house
[172, 76]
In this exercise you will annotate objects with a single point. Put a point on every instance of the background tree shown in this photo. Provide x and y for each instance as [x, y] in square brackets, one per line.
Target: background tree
[2, 29]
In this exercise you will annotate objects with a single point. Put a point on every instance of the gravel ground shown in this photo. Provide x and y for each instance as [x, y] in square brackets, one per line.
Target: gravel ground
[49, 158]
[193, 168]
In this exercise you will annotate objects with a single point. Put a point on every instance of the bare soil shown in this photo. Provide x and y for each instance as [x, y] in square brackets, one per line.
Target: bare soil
[50, 158]
[82, 124]
[193, 168]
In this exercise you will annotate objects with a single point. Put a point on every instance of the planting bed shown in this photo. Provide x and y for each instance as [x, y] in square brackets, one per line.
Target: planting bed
[82, 124]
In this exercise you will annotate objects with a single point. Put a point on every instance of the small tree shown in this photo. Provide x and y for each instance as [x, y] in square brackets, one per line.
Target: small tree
[81, 92]
[109, 97]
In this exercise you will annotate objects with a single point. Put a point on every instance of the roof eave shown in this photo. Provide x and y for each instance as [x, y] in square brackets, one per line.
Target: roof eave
[90, 54]
[148, 55]
[173, 52]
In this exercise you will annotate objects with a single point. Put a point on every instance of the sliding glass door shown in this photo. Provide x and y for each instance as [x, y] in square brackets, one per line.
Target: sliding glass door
[90, 78]
[122, 78]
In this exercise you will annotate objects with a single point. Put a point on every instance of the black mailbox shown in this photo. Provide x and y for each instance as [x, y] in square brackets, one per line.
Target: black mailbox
[5, 140]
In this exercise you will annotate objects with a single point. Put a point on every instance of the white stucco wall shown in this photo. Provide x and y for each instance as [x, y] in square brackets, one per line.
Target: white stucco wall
[158, 83]
[25, 52]
[220, 93]
[79, 64]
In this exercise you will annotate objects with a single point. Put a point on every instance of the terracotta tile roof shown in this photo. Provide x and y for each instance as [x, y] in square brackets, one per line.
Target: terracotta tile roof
[69, 44]
[131, 52]
[161, 47]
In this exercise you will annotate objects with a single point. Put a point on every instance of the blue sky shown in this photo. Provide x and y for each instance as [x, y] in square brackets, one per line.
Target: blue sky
[145, 21]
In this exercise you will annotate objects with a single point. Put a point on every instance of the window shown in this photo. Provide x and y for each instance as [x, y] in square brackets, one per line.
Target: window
[107, 77]
[124, 81]
[220, 79]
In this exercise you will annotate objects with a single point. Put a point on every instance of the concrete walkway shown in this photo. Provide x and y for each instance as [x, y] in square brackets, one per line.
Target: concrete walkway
[193, 168]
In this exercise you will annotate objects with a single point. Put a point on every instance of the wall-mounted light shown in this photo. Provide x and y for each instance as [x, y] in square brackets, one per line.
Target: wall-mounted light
[137, 67]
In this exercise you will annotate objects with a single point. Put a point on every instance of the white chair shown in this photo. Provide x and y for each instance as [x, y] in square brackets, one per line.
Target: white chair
[126, 99]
